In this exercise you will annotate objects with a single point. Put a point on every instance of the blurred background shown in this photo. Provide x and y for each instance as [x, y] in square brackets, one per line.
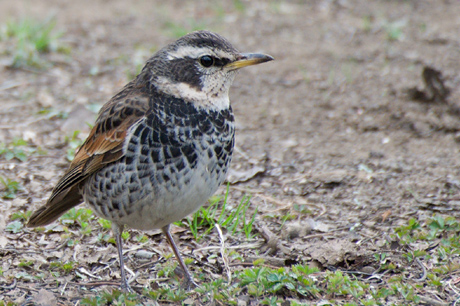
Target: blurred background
[351, 133]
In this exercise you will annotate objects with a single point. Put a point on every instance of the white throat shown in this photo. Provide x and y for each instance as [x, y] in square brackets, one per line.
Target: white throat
[209, 98]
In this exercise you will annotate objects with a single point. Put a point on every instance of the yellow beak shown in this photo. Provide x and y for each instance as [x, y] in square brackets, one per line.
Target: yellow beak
[249, 59]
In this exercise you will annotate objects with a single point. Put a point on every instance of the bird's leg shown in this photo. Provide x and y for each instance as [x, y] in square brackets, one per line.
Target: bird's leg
[117, 230]
[189, 280]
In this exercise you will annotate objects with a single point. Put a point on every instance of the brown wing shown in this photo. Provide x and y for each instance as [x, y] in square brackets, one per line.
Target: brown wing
[103, 145]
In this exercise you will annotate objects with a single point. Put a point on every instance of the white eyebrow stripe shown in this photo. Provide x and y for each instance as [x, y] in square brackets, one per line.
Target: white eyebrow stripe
[187, 51]
[194, 52]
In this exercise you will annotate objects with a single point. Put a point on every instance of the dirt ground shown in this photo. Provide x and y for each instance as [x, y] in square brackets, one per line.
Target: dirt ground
[341, 133]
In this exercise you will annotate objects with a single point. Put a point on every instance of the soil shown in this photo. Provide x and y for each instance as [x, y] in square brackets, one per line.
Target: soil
[340, 140]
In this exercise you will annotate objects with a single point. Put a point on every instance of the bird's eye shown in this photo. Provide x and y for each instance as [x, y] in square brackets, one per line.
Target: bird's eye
[206, 61]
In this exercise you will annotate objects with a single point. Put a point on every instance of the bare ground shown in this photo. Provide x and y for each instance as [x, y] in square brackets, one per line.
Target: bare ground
[331, 133]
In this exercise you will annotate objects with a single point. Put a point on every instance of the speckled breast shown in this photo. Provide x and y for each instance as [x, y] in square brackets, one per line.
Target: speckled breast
[175, 159]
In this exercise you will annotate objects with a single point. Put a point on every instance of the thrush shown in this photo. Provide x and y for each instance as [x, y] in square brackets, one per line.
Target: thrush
[161, 146]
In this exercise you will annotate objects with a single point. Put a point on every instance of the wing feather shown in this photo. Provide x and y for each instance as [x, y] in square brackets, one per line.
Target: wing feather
[104, 145]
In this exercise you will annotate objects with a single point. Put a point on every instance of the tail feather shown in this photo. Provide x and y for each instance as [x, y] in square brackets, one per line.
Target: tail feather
[55, 208]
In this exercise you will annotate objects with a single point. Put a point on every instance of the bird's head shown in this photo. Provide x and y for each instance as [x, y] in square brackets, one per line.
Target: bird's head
[199, 68]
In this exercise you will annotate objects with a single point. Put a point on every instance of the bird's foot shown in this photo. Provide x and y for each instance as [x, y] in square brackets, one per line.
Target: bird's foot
[189, 284]
[126, 288]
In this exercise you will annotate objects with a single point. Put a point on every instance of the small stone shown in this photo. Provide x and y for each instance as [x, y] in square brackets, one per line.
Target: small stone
[144, 254]
[367, 269]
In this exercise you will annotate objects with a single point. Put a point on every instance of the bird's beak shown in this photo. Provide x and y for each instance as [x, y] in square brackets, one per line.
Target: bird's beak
[248, 59]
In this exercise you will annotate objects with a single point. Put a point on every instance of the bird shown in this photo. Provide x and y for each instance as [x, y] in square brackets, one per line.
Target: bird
[161, 146]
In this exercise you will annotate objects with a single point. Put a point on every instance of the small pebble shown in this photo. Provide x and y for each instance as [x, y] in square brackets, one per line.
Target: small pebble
[144, 254]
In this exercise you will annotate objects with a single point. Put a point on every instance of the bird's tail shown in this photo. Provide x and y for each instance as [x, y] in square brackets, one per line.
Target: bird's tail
[56, 207]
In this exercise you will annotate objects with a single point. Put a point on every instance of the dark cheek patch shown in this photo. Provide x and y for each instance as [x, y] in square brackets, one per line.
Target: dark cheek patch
[184, 70]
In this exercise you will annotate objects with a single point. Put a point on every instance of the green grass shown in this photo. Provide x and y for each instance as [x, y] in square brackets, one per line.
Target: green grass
[62, 267]
[396, 265]
[18, 149]
[234, 220]
[14, 227]
[298, 284]
[29, 39]
[115, 297]
[50, 112]
[304, 285]
[395, 30]
[18, 219]
[80, 216]
[10, 188]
